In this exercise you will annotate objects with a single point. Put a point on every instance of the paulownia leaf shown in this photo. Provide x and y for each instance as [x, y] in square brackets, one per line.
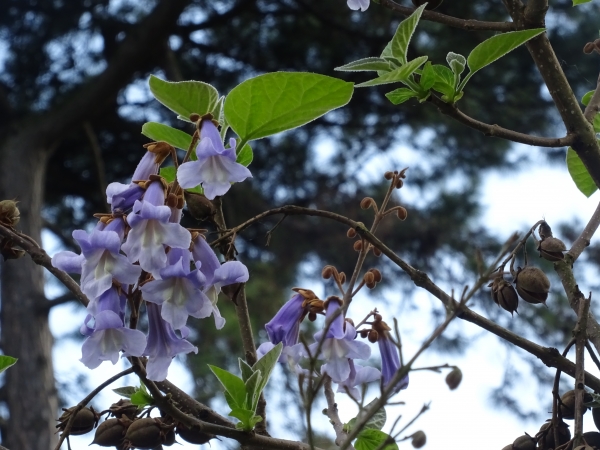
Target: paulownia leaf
[579, 174]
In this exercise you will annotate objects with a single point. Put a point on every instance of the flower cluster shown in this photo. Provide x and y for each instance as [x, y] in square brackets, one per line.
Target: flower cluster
[335, 344]
[141, 248]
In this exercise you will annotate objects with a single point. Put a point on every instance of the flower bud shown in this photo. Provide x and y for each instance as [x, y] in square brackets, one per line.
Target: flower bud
[377, 317]
[373, 336]
[327, 272]
[376, 252]
[358, 246]
[364, 333]
[419, 439]
[110, 433]
[377, 274]
[9, 213]
[351, 233]
[552, 249]
[399, 183]
[588, 48]
[367, 202]
[369, 277]
[401, 212]
[532, 285]
[388, 175]
[454, 378]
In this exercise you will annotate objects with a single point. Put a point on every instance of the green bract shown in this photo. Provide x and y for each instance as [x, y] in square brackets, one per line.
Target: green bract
[280, 101]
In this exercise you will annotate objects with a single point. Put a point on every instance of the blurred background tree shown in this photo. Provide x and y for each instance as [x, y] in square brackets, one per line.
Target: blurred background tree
[73, 98]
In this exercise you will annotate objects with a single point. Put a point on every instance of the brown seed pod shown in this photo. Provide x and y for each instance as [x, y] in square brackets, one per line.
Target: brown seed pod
[532, 285]
[199, 207]
[419, 439]
[545, 436]
[454, 378]
[567, 405]
[351, 233]
[524, 442]
[9, 213]
[193, 436]
[145, 433]
[85, 421]
[122, 408]
[109, 433]
[552, 249]
[504, 295]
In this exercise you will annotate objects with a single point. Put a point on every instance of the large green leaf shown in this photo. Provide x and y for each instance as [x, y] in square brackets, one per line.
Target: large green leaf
[234, 386]
[184, 97]
[579, 174]
[280, 101]
[6, 362]
[428, 76]
[371, 439]
[266, 365]
[245, 156]
[444, 80]
[160, 132]
[497, 46]
[366, 64]
[396, 48]
[396, 75]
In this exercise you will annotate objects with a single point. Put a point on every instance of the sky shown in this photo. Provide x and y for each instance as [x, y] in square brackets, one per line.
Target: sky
[459, 419]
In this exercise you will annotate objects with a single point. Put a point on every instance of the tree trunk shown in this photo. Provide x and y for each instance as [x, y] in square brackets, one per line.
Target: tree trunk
[30, 391]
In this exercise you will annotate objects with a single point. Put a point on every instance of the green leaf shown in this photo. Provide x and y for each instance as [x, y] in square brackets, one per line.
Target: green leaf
[252, 385]
[371, 439]
[246, 417]
[6, 362]
[428, 76]
[246, 370]
[245, 155]
[580, 2]
[400, 95]
[266, 364]
[275, 102]
[168, 173]
[456, 62]
[234, 386]
[396, 75]
[366, 64]
[596, 123]
[184, 97]
[141, 397]
[497, 46]
[587, 97]
[126, 391]
[444, 80]
[396, 48]
[376, 422]
[159, 132]
[579, 174]
[217, 111]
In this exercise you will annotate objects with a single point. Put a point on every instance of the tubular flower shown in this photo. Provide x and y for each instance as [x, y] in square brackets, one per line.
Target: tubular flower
[390, 362]
[358, 375]
[339, 344]
[358, 4]
[179, 290]
[215, 168]
[100, 260]
[163, 344]
[107, 337]
[151, 231]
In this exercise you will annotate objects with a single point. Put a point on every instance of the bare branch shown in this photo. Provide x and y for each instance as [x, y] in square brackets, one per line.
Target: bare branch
[332, 412]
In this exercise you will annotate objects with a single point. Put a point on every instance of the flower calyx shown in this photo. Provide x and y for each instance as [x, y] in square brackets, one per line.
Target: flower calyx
[199, 207]
[504, 295]
[312, 304]
[532, 285]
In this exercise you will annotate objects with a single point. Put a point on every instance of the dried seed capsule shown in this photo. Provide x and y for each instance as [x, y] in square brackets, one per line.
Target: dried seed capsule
[592, 438]
[110, 433]
[552, 249]
[419, 439]
[199, 207]
[545, 436]
[123, 408]
[144, 433]
[504, 295]
[369, 277]
[567, 407]
[193, 435]
[454, 378]
[524, 442]
[532, 285]
[85, 420]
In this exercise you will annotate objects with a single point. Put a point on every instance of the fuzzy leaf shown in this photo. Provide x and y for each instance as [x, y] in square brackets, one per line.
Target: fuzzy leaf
[371, 439]
[266, 364]
[397, 47]
[246, 370]
[126, 391]
[366, 64]
[252, 394]
[159, 132]
[234, 386]
[579, 173]
[184, 97]
[246, 417]
[396, 75]
[400, 95]
[245, 156]
[428, 76]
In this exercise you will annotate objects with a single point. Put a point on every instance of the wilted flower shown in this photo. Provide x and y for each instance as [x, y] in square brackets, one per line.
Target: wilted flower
[215, 168]
[163, 344]
[107, 337]
[339, 344]
[151, 231]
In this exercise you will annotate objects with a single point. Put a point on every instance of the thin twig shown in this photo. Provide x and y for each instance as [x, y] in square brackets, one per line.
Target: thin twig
[332, 412]
[580, 336]
[585, 237]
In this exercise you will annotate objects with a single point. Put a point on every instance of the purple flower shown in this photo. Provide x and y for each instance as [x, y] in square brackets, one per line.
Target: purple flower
[358, 4]
[339, 344]
[107, 337]
[358, 375]
[100, 260]
[215, 168]
[179, 290]
[113, 300]
[163, 344]
[390, 362]
[285, 325]
[151, 231]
